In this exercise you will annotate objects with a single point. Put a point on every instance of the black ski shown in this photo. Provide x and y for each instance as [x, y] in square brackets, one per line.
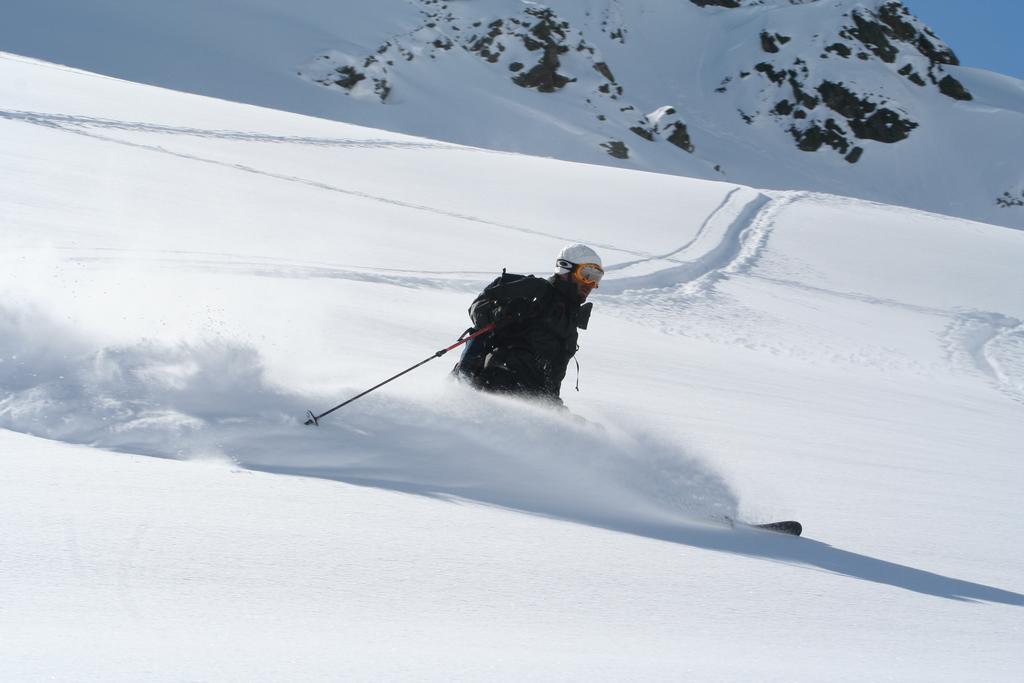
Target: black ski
[789, 526]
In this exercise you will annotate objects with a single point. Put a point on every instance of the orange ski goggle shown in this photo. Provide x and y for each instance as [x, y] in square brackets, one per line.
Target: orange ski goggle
[588, 274]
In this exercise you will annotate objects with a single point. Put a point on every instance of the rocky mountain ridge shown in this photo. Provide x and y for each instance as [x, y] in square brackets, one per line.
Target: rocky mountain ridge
[536, 48]
[849, 97]
[889, 34]
[858, 85]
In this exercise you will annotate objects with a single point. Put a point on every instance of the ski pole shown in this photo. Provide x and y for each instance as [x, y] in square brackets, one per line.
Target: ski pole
[315, 419]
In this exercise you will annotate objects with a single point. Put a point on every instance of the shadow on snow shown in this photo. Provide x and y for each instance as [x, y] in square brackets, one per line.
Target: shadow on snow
[196, 401]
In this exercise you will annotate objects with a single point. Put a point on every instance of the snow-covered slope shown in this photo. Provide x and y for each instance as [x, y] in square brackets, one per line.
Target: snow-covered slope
[182, 277]
[850, 97]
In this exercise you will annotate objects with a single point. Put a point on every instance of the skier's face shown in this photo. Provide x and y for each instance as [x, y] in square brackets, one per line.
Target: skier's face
[583, 290]
[586, 276]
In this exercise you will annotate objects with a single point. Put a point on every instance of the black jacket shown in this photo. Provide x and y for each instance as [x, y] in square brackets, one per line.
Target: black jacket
[529, 354]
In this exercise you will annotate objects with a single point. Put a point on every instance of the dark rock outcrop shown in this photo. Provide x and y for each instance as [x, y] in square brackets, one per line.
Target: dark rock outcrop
[616, 148]
[666, 125]
[483, 44]
[896, 17]
[884, 125]
[680, 137]
[1008, 200]
[603, 69]
[872, 35]
[349, 77]
[815, 135]
[843, 102]
[776, 77]
[912, 75]
[645, 133]
[802, 98]
[547, 34]
[544, 75]
[839, 49]
[864, 117]
[783, 108]
[950, 87]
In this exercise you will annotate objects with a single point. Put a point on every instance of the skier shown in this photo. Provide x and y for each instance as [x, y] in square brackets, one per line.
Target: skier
[536, 333]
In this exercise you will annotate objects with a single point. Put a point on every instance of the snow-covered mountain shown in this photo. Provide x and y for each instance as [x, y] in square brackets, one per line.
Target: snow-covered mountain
[850, 97]
[182, 277]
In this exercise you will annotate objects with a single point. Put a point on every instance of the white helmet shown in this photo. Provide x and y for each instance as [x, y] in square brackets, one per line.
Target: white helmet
[575, 254]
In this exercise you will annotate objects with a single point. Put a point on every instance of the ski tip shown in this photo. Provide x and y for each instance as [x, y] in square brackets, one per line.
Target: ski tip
[790, 527]
[311, 418]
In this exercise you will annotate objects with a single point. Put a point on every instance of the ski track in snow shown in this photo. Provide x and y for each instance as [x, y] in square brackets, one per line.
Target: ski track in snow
[57, 122]
[984, 342]
[739, 228]
[469, 282]
[991, 344]
[988, 343]
[69, 123]
[671, 256]
[723, 228]
[671, 299]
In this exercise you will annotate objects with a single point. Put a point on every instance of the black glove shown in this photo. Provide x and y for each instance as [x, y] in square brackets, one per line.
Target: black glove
[513, 311]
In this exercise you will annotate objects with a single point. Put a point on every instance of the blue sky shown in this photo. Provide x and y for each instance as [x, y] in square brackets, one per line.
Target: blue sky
[983, 33]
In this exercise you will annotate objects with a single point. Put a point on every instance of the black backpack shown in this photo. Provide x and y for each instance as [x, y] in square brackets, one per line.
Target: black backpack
[475, 351]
